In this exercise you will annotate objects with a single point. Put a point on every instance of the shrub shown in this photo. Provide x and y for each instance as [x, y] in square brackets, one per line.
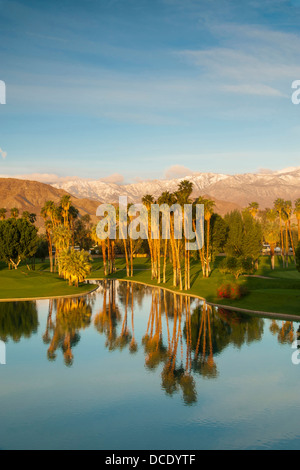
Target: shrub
[231, 291]
[236, 266]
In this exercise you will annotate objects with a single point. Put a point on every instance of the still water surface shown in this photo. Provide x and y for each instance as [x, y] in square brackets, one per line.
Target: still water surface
[134, 367]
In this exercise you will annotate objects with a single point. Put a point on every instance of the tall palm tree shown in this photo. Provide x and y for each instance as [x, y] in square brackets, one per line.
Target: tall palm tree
[3, 214]
[297, 212]
[289, 210]
[253, 208]
[98, 242]
[65, 203]
[125, 244]
[148, 200]
[183, 194]
[271, 236]
[279, 207]
[14, 212]
[48, 210]
[271, 233]
[208, 213]
[48, 227]
[285, 219]
[61, 239]
[165, 198]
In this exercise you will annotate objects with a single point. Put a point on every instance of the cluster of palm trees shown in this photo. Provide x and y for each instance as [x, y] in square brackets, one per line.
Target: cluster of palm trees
[59, 224]
[15, 213]
[176, 249]
[171, 249]
[278, 228]
[59, 220]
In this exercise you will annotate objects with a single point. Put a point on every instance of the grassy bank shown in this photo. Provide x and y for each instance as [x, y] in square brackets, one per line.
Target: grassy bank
[279, 294]
[24, 284]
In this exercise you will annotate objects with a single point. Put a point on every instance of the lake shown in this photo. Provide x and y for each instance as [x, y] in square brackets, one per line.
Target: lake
[134, 367]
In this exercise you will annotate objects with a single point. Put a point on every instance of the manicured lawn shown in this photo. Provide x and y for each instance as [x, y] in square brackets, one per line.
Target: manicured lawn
[280, 294]
[24, 284]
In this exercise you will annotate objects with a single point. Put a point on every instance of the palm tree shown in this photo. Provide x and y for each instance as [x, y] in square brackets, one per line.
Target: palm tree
[253, 208]
[47, 212]
[183, 194]
[61, 239]
[3, 214]
[165, 198]
[29, 216]
[122, 236]
[65, 203]
[97, 240]
[131, 249]
[297, 212]
[75, 266]
[208, 213]
[14, 213]
[271, 237]
[289, 210]
[271, 233]
[73, 216]
[184, 191]
[148, 200]
[279, 207]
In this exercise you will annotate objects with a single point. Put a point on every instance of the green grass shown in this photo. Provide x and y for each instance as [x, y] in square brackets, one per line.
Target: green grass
[24, 284]
[280, 294]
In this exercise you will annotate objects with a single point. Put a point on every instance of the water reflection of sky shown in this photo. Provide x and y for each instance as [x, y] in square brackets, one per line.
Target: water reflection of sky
[110, 400]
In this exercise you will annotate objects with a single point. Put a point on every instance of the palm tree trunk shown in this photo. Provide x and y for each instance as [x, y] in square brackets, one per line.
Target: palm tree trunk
[165, 260]
[103, 246]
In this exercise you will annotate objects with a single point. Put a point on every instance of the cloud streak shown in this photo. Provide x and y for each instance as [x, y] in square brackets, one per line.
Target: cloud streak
[3, 154]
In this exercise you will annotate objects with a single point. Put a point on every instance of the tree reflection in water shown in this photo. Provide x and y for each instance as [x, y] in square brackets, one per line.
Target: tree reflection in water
[18, 320]
[180, 339]
[72, 315]
[284, 331]
[106, 321]
[183, 336]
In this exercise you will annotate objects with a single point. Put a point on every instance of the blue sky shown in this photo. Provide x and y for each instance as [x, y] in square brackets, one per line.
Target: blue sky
[140, 88]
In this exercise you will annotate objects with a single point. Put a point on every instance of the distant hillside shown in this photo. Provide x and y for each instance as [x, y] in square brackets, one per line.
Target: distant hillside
[31, 196]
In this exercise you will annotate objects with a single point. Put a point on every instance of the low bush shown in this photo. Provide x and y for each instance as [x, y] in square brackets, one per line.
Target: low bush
[237, 266]
[232, 291]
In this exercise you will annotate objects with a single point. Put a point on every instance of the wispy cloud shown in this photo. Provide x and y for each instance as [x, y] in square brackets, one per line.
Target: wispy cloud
[251, 60]
[115, 178]
[254, 89]
[3, 154]
[178, 171]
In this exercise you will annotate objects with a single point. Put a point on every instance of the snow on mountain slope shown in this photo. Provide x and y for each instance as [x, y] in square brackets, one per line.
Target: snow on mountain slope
[240, 189]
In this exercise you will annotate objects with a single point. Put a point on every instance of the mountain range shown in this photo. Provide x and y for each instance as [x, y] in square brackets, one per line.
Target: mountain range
[229, 192]
[237, 190]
